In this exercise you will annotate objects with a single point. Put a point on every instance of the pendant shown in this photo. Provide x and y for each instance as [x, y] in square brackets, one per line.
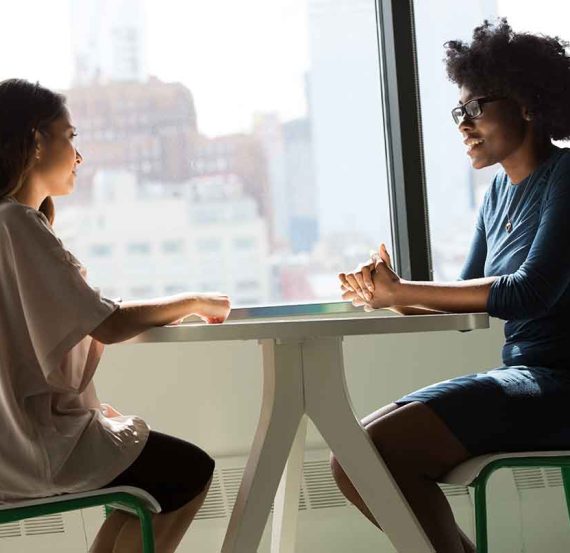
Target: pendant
[508, 226]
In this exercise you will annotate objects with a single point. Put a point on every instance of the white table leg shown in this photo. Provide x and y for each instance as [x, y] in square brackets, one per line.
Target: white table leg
[328, 405]
[286, 504]
[281, 411]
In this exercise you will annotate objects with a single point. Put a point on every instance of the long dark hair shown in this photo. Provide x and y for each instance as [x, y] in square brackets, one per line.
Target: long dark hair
[24, 108]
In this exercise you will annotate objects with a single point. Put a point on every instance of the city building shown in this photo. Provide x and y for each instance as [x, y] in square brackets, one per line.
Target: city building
[142, 242]
[147, 128]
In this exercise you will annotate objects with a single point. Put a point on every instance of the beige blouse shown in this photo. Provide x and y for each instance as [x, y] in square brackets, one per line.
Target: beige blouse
[55, 437]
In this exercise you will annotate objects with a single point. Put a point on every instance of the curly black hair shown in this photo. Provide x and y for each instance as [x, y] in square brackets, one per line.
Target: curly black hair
[532, 69]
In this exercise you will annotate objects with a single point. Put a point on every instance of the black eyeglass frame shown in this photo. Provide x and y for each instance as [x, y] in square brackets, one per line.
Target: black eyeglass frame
[462, 111]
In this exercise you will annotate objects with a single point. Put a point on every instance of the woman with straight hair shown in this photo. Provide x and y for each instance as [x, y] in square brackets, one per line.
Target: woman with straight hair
[514, 100]
[57, 437]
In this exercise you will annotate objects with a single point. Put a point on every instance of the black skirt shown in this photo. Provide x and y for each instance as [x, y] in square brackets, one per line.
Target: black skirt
[173, 471]
[507, 409]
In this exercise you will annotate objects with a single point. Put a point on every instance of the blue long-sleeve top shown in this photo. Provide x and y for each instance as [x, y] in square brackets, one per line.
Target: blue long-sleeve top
[532, 293]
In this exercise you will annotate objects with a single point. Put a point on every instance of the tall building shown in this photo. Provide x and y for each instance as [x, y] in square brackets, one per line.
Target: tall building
[302, 192]
[242, 155]
[146, 128]
[289, 154]
[108, 39]
[211, 238]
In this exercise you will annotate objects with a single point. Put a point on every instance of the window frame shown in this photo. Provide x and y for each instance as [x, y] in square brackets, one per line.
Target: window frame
[403, 138]
[407, 192]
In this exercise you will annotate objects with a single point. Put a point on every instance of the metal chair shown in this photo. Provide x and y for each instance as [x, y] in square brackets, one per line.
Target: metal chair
[476, 472]
[127, 498]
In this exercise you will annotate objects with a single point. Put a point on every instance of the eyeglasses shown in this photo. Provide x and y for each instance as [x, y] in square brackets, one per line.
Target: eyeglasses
[472, 109]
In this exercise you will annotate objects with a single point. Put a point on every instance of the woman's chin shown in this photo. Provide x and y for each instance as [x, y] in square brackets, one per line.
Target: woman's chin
[480, 163]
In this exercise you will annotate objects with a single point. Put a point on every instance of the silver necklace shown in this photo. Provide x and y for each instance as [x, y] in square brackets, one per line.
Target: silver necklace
[509, 225]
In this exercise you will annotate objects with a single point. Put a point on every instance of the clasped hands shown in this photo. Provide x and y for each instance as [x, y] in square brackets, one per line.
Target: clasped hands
[373, 284]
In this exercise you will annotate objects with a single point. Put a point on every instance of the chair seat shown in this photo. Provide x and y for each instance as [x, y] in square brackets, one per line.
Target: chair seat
[465, 473]
[149, 501]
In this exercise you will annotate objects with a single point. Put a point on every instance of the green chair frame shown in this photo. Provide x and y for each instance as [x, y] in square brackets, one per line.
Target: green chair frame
[480, 488]
[61, 504]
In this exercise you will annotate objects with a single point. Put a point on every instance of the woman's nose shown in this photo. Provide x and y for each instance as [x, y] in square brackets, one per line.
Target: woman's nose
[465, 123]
[78, 157]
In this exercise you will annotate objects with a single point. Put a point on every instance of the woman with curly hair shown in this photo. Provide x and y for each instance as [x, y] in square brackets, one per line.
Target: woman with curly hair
[514, 99]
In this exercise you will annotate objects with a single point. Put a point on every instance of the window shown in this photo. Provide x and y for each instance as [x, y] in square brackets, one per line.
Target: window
[175, 289]
[243, 285]
[172, 246]
[299, 139]
[208, 245]
[100, 250]
[244, 243]
[139, 292]
[138, 248]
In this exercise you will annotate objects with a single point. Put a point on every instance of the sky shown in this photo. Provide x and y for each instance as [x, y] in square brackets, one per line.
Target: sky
[237, 58]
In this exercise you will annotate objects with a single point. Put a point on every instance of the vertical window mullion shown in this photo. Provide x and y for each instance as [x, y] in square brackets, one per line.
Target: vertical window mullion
[404, 145]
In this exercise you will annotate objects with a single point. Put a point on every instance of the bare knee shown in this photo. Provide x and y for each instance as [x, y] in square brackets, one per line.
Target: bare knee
[340, 477]
[415, 440]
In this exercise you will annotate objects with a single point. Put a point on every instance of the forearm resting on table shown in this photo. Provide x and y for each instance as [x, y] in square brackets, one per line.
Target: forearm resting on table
[463, 296]
[410, 310]
[134, 317]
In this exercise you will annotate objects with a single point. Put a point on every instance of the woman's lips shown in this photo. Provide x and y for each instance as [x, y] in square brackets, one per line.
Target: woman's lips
[473, 143]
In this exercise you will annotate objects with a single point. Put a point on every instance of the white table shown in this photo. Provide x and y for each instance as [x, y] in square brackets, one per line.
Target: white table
[303, 376]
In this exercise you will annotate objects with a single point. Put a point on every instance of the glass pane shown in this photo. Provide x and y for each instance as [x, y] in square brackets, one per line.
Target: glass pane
[231, 146]
[455, 190]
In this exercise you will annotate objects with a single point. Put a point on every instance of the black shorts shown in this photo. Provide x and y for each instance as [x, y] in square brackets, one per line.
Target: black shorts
[173, 471]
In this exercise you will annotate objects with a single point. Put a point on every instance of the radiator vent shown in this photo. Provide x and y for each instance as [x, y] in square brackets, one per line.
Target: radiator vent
[318, 490]
[451, 490]
[50, 524]
[553, 477]
[10, 530]
[535, 478]
[39, 526]
[231, 478]
[214, 506]
[321, 487]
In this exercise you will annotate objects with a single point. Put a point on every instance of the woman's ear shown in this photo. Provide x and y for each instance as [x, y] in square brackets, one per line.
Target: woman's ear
[527, 115]
[38, 141]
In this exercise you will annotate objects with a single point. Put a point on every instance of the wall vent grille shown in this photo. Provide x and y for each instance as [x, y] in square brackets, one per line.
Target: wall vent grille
[535, 477]
[451, 490]
[529, 478]
[318, 490]
[10, 530]
[214, 506]
[553, 477]
[321, 487]
[231, 480]
[49, 524]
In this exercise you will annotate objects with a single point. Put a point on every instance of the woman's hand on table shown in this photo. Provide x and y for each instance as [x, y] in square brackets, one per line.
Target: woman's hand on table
[372, 284]
[213, 308]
